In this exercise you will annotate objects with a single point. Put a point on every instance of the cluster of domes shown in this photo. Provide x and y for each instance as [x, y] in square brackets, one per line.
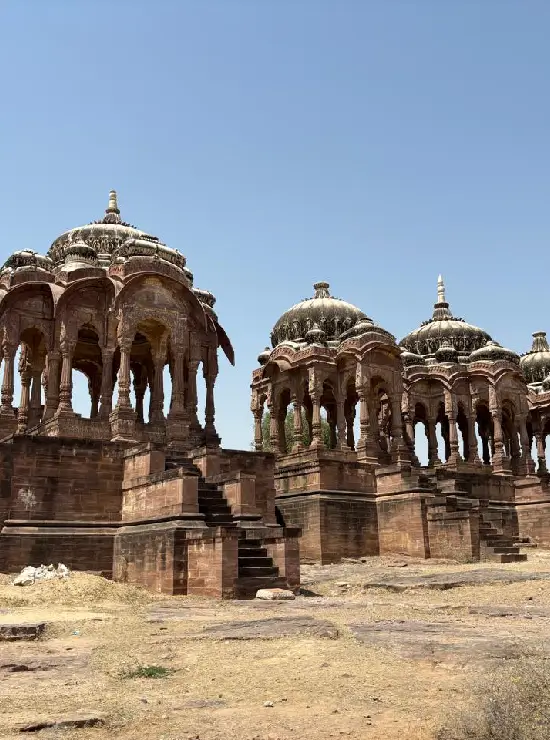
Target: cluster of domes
[99, 244]
[325, 320]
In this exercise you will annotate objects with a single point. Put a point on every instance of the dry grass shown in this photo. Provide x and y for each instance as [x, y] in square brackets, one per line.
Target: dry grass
[320, 688]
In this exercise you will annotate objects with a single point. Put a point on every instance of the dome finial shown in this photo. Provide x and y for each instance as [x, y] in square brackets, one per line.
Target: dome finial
[440, 290]
[113, 204]
[540, 343]
[321, 290]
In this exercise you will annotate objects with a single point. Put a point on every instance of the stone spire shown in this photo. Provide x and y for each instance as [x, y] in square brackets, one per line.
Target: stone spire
[441, 308]
[540, 343]
[112, 212]
[113, 204]
[321, 290]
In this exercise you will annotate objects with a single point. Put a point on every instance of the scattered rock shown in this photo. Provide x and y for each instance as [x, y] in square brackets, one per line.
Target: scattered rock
[268, 704]
[30, 574]
[202, 704]
[527, 612]
[442, 581]
[275, 594]
[25, 631]
[77, 720]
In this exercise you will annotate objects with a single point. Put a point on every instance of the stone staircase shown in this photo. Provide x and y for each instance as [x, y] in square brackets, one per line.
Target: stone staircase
[494, 545]
[256, 569]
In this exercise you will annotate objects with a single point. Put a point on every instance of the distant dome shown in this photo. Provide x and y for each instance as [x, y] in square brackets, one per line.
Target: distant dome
[26, 258]
[104, 236]
[332, 317]
[535, 364]
[492, 352]
[444, 327]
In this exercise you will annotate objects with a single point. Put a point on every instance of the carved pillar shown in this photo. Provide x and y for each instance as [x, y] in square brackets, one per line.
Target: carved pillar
[408, 427]
[8, 351]
[433, 452]
[192, 402]
[177, 406]
[316, 430]
[258, 432]
[140, 386]
[361, 445]
[341, 423]
[156, 405]
[398, 449]
[94, 388]
[541, 454]
[526, 458]
[473, 452]
[210, 409]
[499, 459]
[52, 384]
[23, 411]
[274, 427]
[66, 385]
[106, 396]
[450, 412]
[124, 401]
[297, 420]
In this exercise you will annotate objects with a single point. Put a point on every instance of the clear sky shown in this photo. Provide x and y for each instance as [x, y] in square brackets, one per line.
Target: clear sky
[281, 142]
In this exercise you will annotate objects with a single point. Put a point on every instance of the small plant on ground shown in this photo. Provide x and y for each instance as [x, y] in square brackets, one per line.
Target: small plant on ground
[512, 703]
[146, 671]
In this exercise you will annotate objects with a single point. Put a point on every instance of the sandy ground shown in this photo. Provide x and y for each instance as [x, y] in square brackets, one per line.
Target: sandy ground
[350, 658]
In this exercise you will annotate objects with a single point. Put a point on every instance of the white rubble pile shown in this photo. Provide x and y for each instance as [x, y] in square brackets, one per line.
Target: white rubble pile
[30, 574]
[275, 594]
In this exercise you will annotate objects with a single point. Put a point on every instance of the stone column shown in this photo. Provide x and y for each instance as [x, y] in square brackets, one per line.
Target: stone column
[341, 423]
[35, 406]
[398, 450]
[499, 458]
[23, 411]
[526, 457]
[124, 401]
[177, 405]
[298, 426]
[106, 396]
[362, 442]
[8, 351]
[52, 384]
[450, 412]
[473, 452]
[433, 452]
[156, 406]
[192, 402]
[316, 430]
[258, 431]
[274, 428]
[66, 385]
[210, 410]
[140, 386]
[541, 454]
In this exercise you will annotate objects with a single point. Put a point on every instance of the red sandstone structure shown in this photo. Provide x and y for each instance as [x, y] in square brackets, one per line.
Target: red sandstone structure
[154, 499]
[157, 501]
[362, 490]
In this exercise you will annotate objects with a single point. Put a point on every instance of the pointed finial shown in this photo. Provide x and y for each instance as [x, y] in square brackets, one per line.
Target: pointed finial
[113, 205]
[540, 343]
[321, 290]
[440, 290]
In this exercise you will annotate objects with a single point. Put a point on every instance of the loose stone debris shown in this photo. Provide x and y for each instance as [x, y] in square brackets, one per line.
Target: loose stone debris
[275, 594]
[30, 574]
[25, 631]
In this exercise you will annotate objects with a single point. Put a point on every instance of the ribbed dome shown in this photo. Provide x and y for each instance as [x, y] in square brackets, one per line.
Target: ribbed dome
[329, 315]
[535, 364]
[443, 327]
[492, 352]
[104, 236]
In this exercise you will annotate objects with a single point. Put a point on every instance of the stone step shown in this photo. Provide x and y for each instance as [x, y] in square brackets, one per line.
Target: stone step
[246, 588]
[23, 631]
[519, 557]
[246, 543]
[258, 571]
[259, 561]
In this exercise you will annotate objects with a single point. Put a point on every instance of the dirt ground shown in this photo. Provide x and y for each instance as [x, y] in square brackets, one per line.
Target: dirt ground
[374, 649]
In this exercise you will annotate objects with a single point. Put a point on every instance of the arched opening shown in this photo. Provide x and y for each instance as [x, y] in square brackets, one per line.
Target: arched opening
[384, 426]
[421, 447]
[86, 383]
[463, 433]
[512, 449]
[30, 363]
[484, 432]
[352, 416]
[442, 433]
[329, 427]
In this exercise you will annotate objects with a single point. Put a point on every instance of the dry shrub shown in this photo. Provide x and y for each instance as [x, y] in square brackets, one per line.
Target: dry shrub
[512, 703]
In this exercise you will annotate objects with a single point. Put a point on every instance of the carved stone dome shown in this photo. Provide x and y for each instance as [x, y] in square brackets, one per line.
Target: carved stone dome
[27, 259]
[330, 315]
[535, 364]
[104, 236]
[443, 327]
[492, 352]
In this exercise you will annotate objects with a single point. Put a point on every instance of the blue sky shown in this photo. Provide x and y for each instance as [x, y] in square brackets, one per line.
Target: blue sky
[280, 142]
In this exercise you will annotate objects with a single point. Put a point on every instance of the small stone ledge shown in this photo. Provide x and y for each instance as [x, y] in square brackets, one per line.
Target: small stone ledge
[25, 631]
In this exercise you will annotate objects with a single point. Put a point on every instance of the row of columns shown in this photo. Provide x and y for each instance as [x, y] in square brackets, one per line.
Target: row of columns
[53, 371]
[340, 420]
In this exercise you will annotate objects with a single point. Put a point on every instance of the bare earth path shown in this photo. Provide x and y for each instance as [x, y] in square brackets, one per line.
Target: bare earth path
[376, 649]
